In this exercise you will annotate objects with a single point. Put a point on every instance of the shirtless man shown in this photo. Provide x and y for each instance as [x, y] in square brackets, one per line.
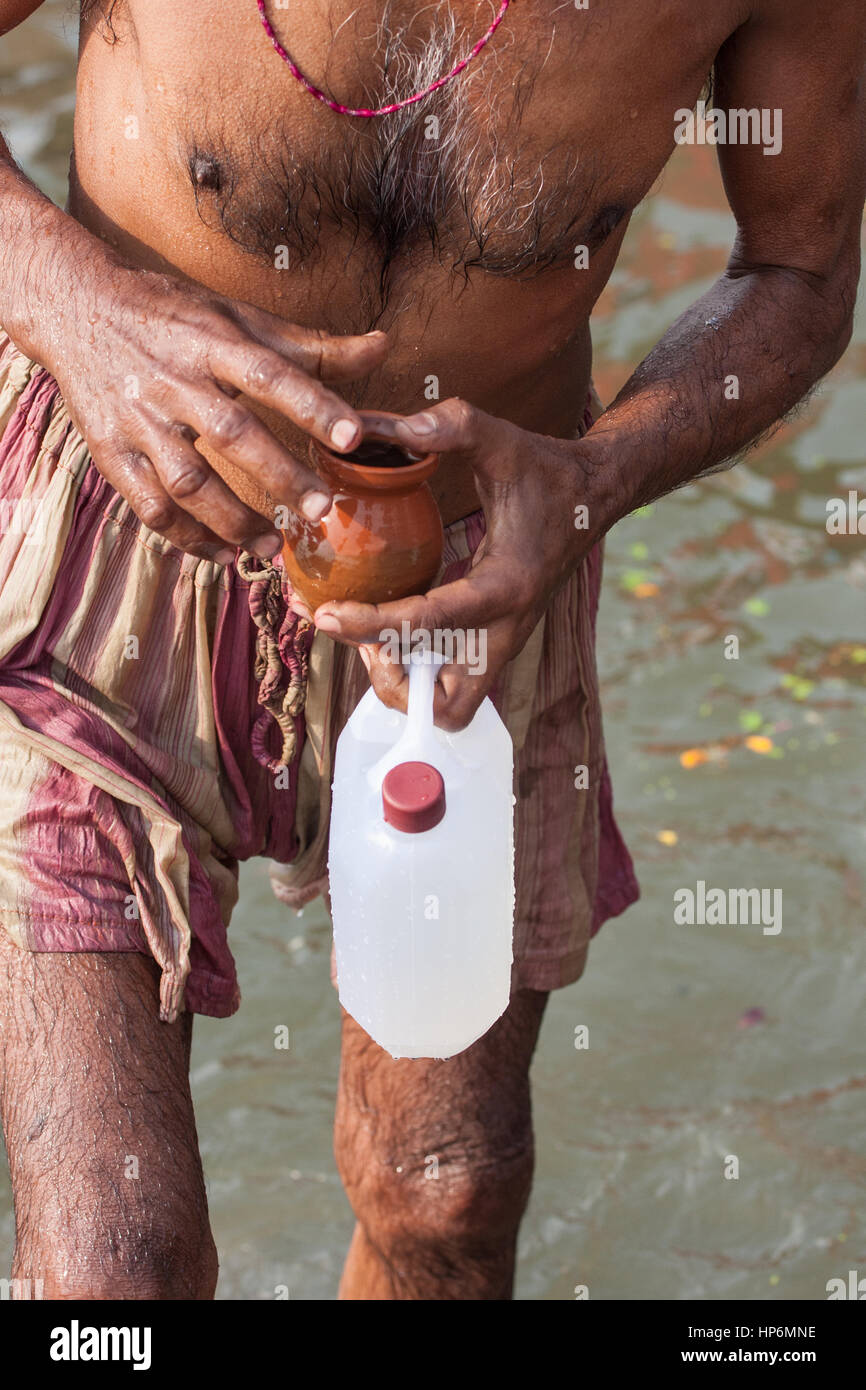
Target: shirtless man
[165, 309]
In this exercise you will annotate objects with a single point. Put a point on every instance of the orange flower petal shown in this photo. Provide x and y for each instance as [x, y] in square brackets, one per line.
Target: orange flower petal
[759, 743]
[693, 757]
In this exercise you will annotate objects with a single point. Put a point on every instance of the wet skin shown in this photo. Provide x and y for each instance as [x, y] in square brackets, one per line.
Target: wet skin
[196, 157]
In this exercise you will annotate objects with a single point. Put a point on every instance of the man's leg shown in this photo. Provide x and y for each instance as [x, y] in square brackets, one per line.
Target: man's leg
[106, 1175]
[436, 1159]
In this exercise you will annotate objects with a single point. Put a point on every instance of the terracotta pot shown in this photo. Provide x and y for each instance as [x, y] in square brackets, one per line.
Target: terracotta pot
[382, 538]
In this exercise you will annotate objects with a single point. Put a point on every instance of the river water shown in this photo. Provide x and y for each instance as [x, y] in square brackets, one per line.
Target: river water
[706, 1043]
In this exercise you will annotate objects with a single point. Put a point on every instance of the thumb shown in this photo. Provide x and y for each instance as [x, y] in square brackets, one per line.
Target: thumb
[455, 427]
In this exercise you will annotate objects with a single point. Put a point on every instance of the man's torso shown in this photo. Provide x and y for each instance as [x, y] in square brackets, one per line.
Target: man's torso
[454, 224]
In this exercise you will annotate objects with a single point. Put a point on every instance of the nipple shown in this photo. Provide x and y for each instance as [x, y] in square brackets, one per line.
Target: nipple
[205, 171]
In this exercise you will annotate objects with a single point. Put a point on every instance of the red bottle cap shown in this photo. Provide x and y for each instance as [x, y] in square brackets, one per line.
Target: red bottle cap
[413, 797]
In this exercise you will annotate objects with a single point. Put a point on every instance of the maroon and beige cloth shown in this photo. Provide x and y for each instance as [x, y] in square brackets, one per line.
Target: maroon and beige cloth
[129, 788]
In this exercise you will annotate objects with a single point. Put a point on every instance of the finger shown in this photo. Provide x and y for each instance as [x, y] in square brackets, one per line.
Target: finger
[452, 426]
[387, 677]
[326, 356]
[383, 424]
[457, 697]
[298, 606]
[455, 606]
[232, 429]
[134, 477]
[267, 377]
[197, 490]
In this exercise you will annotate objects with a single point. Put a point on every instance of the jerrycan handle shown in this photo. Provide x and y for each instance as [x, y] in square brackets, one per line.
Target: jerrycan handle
[420, 741]
[413, 792]
[423, 670]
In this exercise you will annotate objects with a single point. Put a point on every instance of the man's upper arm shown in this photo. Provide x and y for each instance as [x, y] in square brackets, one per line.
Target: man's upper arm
[801, 208]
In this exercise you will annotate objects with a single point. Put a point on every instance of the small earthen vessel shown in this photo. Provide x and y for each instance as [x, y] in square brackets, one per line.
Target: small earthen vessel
[382, 538]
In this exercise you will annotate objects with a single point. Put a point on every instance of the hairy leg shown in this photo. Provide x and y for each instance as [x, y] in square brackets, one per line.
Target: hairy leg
[94, 1093]
[436, 1159]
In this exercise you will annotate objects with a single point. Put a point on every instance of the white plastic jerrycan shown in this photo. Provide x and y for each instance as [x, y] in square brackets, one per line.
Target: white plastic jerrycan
[422, 872]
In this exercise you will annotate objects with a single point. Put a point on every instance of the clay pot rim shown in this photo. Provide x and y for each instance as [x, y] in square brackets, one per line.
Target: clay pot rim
[385, 479]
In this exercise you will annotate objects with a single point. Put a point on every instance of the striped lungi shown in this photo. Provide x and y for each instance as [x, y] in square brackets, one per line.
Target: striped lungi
[132, 780]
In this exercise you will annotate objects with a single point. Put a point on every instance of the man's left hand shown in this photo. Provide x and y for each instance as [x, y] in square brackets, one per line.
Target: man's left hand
[529, 486]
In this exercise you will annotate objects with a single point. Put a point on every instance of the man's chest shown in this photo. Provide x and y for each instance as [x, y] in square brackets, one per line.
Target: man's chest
[548, 138]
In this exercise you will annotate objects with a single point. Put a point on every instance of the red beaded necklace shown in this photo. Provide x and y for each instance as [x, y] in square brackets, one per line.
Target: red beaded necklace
[382, 110]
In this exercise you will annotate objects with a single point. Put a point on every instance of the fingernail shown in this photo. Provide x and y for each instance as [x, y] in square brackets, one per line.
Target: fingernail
[343, 433]
[328, 622]
[266, 547]
[420, 424]
[314, 505]
[375, 333]
[224, 556]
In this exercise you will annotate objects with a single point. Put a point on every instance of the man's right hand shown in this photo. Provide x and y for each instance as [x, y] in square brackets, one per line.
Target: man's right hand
[148, 363]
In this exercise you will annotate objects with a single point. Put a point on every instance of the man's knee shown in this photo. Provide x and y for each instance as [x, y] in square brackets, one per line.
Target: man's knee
[109, 1196]
[127, 1258]
[464, 1194]
[437, 1157]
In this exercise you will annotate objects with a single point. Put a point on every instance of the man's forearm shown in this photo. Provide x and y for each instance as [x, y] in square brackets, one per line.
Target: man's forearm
[43, 253]
[736, 362]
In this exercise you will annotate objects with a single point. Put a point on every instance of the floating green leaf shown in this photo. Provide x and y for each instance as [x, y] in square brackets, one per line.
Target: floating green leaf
[751, 720]
[632, 578]
[758, 607]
